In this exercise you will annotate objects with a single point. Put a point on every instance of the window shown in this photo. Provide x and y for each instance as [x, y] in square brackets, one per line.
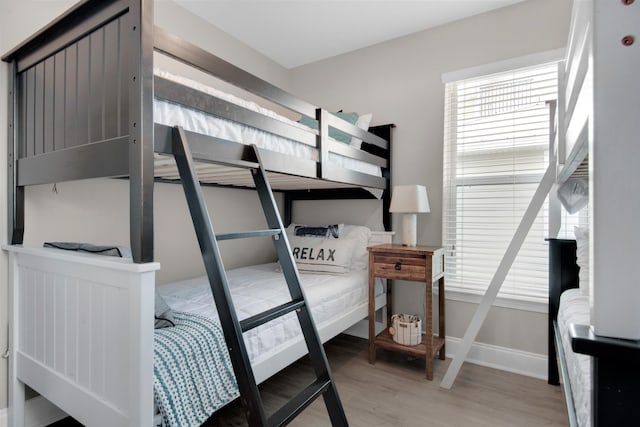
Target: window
[496, 152]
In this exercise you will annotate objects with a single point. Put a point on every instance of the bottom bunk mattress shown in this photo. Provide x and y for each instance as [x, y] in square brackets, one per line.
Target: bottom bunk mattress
[255, 289]
[574, 308]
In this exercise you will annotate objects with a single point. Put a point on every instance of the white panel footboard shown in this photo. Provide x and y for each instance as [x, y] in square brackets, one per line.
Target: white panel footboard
[81, 334]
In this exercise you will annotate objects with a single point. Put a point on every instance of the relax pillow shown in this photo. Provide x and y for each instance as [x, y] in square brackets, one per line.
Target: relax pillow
[336, 134]
[582, 257]
[360, 234]
[318, 255]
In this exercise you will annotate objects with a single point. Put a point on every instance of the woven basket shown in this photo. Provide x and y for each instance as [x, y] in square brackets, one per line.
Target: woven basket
[406, 329]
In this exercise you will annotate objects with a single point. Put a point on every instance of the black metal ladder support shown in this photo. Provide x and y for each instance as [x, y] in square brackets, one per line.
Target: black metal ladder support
[232, 328]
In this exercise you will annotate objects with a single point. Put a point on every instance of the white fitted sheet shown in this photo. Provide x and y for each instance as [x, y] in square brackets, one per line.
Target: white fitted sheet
[257, 288]
[171, 114]
[574, 308]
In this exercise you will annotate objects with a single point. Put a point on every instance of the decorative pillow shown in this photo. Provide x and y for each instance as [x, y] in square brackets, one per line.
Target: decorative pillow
[328, 231]
[574, 194]
[163, 314]
[336, 134]
[362, 123]
[318, 255]
[582, 257]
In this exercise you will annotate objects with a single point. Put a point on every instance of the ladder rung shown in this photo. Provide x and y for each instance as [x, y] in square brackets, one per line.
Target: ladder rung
[248, 234]
[267, 316]
[296, 405]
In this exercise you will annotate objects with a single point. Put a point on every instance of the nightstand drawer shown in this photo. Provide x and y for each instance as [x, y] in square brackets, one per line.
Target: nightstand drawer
[400, 267]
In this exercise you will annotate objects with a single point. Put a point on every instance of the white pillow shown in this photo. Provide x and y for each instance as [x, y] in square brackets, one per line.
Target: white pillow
[318, 255]
[582, 257]
[361, 234]
[362, 123]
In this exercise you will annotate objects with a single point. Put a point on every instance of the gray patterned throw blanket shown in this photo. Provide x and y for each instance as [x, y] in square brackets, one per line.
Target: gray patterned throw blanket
[193, 376]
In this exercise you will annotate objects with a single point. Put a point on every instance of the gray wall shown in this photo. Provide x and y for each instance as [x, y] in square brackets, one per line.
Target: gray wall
[400, 82]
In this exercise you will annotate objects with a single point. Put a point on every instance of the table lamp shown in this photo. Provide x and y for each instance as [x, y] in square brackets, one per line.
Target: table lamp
[409, 200]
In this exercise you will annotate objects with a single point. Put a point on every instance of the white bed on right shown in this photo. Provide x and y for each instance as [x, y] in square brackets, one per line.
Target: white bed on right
[593, 287]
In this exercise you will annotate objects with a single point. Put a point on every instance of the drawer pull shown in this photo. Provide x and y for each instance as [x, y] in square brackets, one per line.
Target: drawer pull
[398, 266]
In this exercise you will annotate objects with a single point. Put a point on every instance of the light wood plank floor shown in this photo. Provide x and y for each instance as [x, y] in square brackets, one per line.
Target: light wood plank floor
[394, 392]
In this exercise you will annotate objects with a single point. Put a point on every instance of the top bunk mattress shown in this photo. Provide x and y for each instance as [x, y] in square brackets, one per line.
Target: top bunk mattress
[173, 114]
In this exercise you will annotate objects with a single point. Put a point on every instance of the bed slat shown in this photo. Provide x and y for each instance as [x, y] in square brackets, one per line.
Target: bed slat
[96, 85]
[29, 110]
[112, 79]
[59, 96]
[83, 93]
[49, 101]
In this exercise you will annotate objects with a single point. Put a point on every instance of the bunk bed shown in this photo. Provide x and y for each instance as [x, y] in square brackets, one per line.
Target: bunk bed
[82, 93]
[598, 372]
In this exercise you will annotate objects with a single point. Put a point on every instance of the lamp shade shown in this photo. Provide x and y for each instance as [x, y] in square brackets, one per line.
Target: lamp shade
[409, 199]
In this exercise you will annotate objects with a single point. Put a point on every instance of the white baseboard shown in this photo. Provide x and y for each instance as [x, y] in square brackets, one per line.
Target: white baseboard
[38, 412]
[503, 358]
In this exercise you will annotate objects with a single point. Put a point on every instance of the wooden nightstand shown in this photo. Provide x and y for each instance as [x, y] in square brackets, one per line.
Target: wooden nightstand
[420, 264]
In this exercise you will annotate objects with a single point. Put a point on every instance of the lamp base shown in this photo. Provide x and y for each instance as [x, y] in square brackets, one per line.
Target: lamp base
[409, 226]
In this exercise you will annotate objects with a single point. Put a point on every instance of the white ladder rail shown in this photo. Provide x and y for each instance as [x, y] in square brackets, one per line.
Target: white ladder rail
[501, 273]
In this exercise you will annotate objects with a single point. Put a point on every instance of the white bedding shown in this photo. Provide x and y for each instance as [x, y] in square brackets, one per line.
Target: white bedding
[171, 114]
[574, 308]
[257, 288]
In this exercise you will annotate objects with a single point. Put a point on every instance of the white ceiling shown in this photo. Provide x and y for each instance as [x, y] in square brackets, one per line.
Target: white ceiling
[297, 32]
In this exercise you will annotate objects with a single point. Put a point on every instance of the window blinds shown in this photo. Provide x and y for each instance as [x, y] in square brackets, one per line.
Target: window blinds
[495, 153]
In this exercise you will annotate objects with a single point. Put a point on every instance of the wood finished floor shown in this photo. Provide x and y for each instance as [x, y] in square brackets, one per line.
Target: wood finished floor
[394, 392]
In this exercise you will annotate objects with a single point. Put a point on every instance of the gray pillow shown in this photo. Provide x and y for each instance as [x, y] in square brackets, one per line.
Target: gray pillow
[116, 251]
[163, 314]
